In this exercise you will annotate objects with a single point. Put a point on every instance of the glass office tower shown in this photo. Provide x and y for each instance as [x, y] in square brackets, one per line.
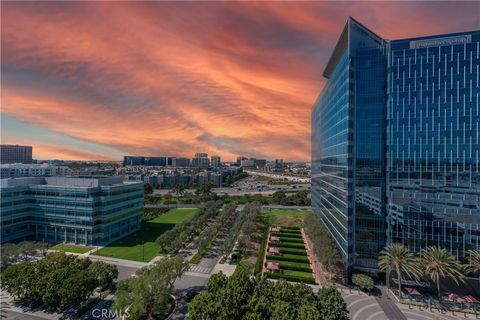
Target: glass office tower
[348, 146]
[433, 142]
[395, 144]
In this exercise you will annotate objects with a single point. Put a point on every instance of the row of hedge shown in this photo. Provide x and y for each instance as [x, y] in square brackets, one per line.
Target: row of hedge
[297, 251]
[288, 245]
[291, 258]
[294, 266]
[289, 235]
[292, 240]
[289, 277]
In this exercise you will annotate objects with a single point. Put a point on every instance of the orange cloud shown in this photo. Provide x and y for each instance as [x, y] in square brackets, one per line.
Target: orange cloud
[161, 78]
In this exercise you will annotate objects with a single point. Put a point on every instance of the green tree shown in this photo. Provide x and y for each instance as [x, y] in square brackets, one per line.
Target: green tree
[204, 191]
[104, 273]
[279, 197]
[217, 282]
[398, 258]
[331, 304]
[438, 263]
[281, 310]
[147, 188]
[205, 306]
[309, 312]
[363, 281]
[147, 295]
[473, 265]
[179, 190]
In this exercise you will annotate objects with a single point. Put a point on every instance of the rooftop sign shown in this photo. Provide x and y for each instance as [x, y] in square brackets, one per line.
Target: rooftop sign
[447, 41]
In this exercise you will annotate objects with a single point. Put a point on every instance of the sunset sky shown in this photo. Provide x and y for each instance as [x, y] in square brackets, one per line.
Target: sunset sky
[99, 80]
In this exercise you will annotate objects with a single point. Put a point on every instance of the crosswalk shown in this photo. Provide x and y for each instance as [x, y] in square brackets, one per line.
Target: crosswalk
[200, 269]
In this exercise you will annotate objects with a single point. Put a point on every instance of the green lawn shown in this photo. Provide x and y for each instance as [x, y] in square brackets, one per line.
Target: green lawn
[71, 248]
[130, 247]
[273, 214]
[298, 273]
[287, 265]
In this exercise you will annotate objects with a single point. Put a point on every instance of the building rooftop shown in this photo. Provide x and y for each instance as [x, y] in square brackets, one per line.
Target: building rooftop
[84, 182]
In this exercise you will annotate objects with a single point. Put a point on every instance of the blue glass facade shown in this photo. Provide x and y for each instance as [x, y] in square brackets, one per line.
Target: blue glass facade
[348, 134]
[395, 144]
[72, 210]
[433, 142]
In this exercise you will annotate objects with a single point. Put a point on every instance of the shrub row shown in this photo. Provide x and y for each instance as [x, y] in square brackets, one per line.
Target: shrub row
[261, 250]
[289, 258]
[291, 228]
[289, 277]
[294, 266]
[288, 245]
[289, 235]
[289, 239]
[299, 251]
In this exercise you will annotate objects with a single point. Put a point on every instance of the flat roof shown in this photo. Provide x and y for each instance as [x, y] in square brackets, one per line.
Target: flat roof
[85, 182]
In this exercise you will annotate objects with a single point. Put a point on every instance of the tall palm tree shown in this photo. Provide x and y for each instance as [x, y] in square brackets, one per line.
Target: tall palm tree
[439, 263]
[396, 257]
[473, 262]
[179, 190]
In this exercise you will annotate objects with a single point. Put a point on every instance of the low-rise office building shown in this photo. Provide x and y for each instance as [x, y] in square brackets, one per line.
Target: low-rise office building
[86, 211]
[15, 170]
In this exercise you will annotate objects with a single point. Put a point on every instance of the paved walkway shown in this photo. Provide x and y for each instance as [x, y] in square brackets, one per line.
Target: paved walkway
[384, 307]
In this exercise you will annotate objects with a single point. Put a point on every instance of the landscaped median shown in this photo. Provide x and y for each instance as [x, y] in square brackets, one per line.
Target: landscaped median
[286, 256]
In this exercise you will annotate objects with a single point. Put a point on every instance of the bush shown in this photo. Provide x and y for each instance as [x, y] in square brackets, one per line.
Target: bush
[196, 258]
[289, 277]
[294, 266]
[289, 235]
[363, 281]
[300, 252]
[290, 239]
[289, 245]
[291, 258]
[258, 264]
[170, 202]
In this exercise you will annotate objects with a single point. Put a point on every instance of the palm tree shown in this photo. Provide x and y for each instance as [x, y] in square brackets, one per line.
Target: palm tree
[396, 257]
[178, 189]
[473, 262]
[439, 263]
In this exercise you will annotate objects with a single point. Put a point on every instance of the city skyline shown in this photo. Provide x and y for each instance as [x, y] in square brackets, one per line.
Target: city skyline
[163, 78]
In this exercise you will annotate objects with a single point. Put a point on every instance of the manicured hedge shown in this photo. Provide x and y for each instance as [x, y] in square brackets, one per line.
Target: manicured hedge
[297, 251]
[290, 239]
[310, 280]
[290, 228]
[258, 264]
[289, 235]
[295, 266]
[292, 258]
[288, 245]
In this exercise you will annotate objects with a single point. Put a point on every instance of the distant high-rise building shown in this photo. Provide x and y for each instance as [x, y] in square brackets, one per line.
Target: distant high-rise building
[239, 160]
[215, 163]
[200, 161]
[144, 161]
[279, 164]
[181, 162]
[15, 154]
[260, 163]
[395, 144]
[133, 161]
[247, 163]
